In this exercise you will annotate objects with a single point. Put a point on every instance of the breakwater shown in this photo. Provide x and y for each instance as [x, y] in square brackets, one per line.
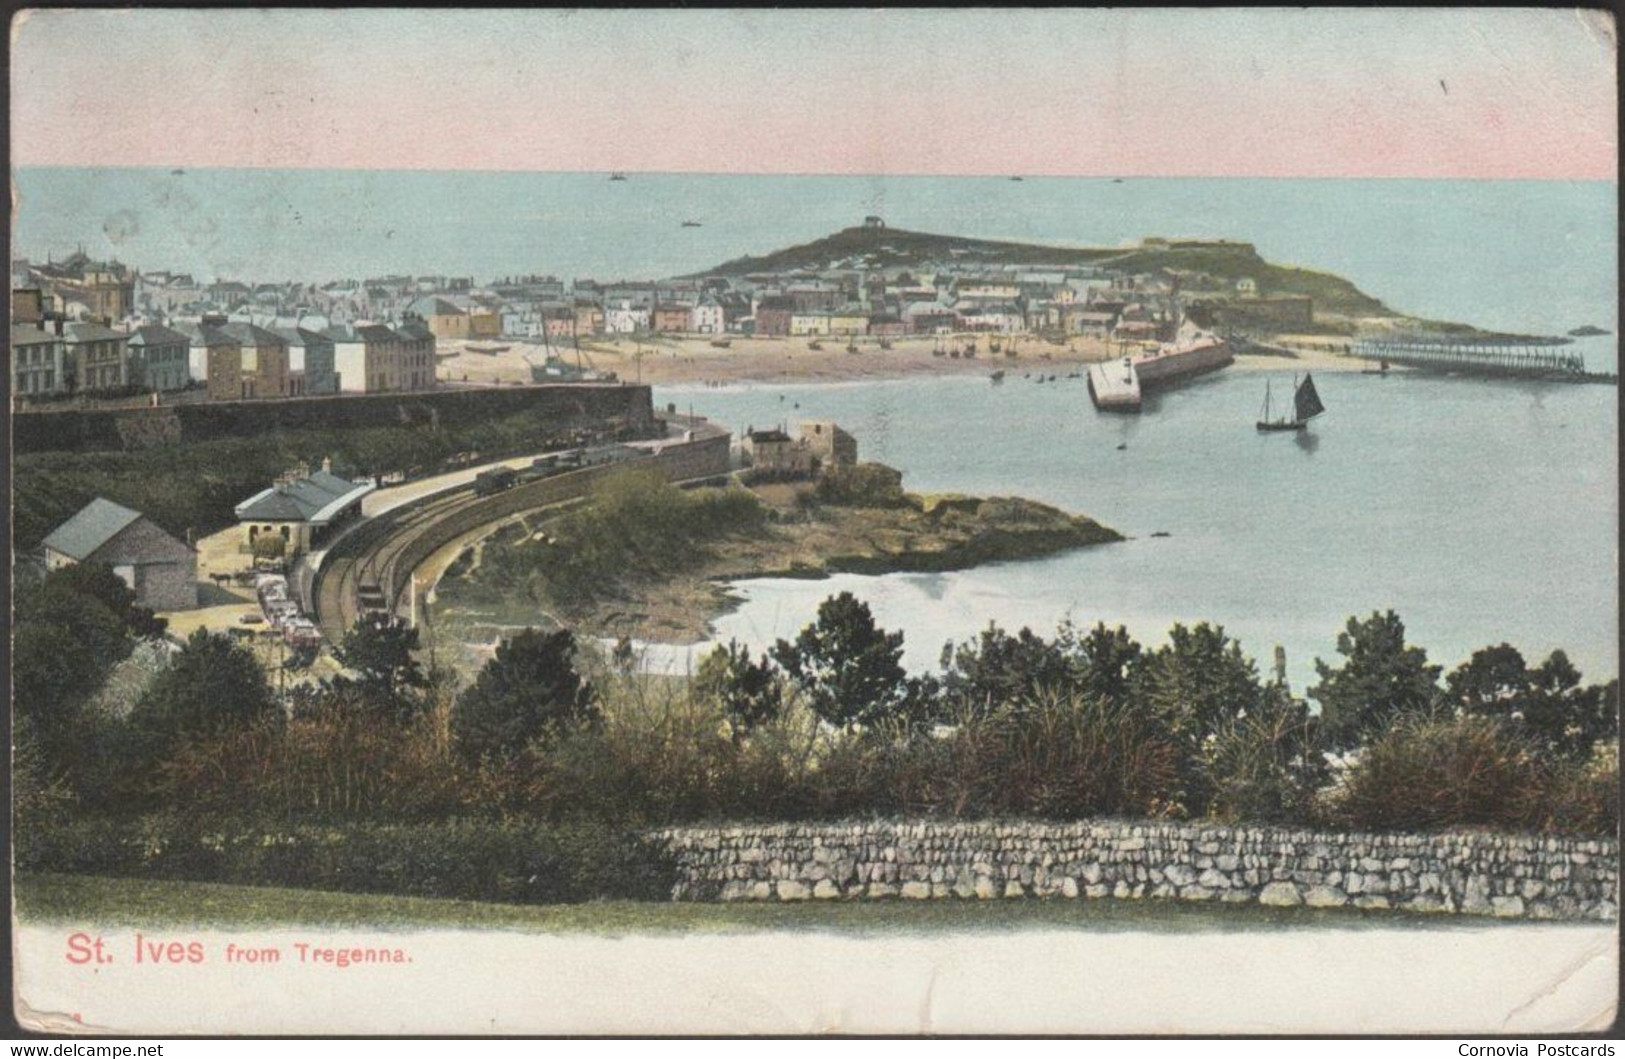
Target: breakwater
[95, 430]
[1472, 873]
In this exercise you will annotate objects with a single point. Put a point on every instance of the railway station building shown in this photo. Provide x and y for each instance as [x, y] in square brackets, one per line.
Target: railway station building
[303, 508]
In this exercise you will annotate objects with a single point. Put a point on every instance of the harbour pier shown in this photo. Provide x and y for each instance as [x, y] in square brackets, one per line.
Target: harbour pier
[1481, 356]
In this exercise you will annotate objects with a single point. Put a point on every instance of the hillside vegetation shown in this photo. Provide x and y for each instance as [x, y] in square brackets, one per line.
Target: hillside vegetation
[896, 248]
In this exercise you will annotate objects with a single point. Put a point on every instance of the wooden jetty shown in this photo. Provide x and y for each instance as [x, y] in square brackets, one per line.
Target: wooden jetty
[1477, 355]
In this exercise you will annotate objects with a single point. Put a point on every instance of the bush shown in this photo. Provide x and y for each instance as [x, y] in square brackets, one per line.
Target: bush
[464, 859]
[1583, 798]
[335, 760]
[1427, 774]
[1268, 766]
[862, 485]
[1060, 756]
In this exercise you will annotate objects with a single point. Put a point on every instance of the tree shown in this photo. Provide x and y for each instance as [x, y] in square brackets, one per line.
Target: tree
[1196, 685]
[72, 628]
[1199, 681]
[212, 685]
[1381, 680]
[748, 692]
[1546, 705]
[380, 647]
[850, 669]
[1105, 661]
[99, 582]
[998, 669]
[1564, 719]
[530, 691]
[269, 546]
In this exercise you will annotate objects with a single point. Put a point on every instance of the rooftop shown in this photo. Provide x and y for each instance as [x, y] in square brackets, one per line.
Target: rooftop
[96, 523]
[315, 498]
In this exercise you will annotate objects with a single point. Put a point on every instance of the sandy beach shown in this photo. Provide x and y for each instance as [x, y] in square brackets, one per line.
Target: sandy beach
[696, 359]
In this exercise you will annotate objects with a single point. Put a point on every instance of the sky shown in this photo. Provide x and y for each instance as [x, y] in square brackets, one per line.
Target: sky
[1500, 93]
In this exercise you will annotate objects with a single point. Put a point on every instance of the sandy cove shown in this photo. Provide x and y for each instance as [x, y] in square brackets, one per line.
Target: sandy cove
[693, 359]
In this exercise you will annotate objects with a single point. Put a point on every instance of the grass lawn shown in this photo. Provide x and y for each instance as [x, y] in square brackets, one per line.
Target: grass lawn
[136, 902]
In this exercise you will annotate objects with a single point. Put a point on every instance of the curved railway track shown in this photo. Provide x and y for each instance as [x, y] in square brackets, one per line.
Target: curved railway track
[367, 556]
[383, 551]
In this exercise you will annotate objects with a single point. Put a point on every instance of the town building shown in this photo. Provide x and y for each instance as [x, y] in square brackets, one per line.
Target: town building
[774, 453]
[852, 320]
[809, 323]
[670, 317]
[303, 508]
[444, 318]
[589, 317]
[37, 365]
[245, 362]
[773, 315]
[415, 358]
[831, 446]
[161, 570]
[87, 289]
[95, 355]
[159, 358]
[707, 317]
[27, 306]
[624, 318]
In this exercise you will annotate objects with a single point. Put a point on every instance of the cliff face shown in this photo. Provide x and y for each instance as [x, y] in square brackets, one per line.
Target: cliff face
[1221, 261]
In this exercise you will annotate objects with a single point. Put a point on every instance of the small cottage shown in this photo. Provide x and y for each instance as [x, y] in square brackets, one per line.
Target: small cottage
[161, 570]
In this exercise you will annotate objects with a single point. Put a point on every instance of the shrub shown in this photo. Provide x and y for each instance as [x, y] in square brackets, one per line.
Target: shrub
[1058, 756]
[861, 485]
[1582, 798]
[466, 859]
[1427, 774]
[335, 760]
[1267, 766]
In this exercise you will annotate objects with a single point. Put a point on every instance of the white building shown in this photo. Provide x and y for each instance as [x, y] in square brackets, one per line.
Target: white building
[624, 318]
[707, 318]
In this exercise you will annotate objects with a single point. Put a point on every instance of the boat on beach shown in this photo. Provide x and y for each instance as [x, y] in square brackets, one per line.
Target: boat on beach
[1305, 406]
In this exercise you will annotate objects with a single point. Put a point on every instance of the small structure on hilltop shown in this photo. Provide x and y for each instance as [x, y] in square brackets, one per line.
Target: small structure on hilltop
[302, 508]
[161, 570]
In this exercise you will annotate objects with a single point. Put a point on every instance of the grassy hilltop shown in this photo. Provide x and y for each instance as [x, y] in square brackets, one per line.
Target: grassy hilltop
[1222, 261]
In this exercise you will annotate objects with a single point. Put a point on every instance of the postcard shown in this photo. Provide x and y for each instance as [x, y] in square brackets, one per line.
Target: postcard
[814, 521]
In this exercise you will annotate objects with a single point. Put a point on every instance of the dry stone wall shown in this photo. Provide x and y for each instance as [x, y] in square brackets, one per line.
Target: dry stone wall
[1467, 872]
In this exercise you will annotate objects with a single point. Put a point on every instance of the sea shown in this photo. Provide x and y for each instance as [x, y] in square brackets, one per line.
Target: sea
[1480, 511]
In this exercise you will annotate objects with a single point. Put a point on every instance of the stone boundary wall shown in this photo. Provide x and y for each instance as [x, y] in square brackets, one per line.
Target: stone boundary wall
[91, 430]
[1466, 872]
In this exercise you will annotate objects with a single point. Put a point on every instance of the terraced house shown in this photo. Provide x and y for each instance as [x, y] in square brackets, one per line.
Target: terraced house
[158, 358]
[96, 355]
[245, 362]
[36, 360]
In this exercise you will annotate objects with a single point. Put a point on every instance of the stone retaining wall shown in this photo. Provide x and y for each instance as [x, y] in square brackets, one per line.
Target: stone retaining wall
[88, 430]
[1471, 873]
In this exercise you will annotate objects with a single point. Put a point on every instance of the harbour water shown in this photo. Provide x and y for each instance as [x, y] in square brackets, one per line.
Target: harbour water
[1480, 511]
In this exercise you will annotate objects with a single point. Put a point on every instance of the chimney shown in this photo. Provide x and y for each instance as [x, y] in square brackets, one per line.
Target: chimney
[327, 464]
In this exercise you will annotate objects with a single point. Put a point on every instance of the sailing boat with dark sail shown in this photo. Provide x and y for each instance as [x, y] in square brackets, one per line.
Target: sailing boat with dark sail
[1305, 406]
